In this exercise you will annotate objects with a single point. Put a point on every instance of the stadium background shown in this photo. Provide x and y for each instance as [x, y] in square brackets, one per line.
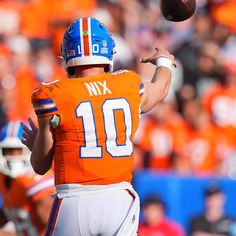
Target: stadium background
[194, 140]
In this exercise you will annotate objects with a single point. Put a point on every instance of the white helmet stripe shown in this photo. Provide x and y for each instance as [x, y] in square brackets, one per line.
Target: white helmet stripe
[8, 131]
[81, 46]
[15, 129]
[90, 37]
[12, 129]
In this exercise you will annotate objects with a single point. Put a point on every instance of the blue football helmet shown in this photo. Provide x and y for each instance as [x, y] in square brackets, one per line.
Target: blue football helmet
[87, 42]
[14, 156]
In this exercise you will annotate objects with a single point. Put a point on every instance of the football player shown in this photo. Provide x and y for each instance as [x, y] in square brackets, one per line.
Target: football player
[26, 195]
[86, 128]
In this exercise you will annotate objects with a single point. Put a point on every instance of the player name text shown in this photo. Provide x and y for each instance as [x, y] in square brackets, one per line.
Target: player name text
[98, 88]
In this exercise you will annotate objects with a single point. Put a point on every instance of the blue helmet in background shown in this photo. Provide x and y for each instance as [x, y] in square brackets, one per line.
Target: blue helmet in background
[14, 156]
[87, 42]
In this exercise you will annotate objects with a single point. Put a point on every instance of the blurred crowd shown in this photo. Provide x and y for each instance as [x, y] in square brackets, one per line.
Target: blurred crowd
[193, 132]
[213, 220]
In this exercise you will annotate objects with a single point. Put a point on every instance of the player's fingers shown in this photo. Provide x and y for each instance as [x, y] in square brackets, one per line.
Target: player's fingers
[25, 127]
[172, 58]
[174, 63]
[32, 125]
[26, 136]
[24, 141]
[144, 60]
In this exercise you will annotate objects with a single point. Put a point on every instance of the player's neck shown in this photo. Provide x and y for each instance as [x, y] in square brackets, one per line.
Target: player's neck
[87, 71]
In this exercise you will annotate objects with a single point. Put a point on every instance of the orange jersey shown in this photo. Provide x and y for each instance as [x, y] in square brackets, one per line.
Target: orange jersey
[98, 118]
[161, 140]
[220, 103]
[217, 13]
[199, 154]
[20, 198]
[158, 140]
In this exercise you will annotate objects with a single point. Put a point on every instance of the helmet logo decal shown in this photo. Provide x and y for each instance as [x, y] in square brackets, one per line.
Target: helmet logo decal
[104, 43]
[85, 33]
[104, 49]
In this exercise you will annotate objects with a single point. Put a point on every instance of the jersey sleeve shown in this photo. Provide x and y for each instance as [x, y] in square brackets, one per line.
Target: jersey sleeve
[139, 81]
[43, 102]
[134, 84]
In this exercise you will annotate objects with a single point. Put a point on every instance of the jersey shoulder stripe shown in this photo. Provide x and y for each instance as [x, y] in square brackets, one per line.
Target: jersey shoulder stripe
[141, 89]
[42, 102]
[43, 99]
[44, 106]
[45, 111]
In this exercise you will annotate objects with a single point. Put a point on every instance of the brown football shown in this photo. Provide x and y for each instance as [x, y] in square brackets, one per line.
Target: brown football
[177, 10]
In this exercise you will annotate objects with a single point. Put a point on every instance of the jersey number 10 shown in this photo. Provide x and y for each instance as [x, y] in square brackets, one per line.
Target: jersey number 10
[91, 149]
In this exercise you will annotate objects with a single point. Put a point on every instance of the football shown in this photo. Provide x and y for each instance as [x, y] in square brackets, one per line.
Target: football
[177, 10]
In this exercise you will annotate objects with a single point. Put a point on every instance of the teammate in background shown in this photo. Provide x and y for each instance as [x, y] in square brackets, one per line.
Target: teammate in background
[26, 195]
[155, 220]
[86, 127]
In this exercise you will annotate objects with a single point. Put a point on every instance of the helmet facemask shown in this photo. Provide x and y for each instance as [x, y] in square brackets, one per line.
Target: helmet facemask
[14, 162]
[14, 156]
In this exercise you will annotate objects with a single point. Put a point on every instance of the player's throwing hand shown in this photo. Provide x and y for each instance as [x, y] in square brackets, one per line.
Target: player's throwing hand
[159, 53]
[29, 134]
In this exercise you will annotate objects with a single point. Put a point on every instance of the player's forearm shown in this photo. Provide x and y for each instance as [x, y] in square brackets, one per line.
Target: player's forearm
[41, 158]
[157, 89]
[42, 153]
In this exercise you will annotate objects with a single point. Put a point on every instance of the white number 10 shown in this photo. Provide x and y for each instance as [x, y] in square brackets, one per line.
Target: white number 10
[91, 149]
